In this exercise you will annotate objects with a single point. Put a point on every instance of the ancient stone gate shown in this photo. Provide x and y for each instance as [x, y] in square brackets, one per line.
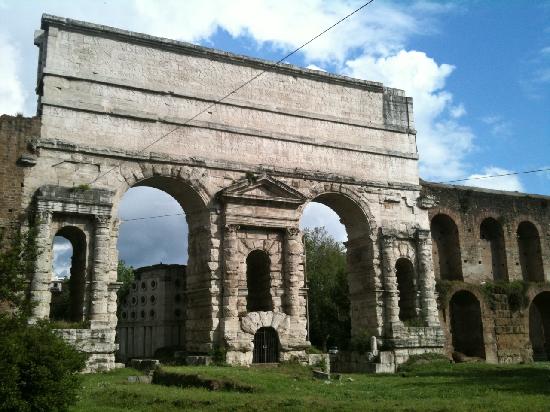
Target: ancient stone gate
[114, 108]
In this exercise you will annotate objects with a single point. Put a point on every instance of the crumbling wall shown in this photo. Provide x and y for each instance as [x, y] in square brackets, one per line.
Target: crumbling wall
[504, 245]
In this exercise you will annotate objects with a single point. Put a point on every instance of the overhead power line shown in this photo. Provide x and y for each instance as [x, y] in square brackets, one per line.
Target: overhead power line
[210, 106]
[545, 169]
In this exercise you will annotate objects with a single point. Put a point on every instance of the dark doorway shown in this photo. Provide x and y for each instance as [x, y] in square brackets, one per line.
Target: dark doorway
[258, 281]
[405, 283]
[539, 326]
[530, 255]
[446, 248]
[266, 346]
[466, 325]
[493, 252]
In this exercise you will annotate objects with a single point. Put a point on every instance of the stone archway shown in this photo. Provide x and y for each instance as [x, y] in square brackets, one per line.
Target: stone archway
[493, 250]
[446, 248]
[466, 324]
[530, 255]
[266, 346]
[202, 296]
[405, 274]
[539, 326]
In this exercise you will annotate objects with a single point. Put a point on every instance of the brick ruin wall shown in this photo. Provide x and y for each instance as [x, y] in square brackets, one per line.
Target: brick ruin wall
[498, 238]
[16, 133]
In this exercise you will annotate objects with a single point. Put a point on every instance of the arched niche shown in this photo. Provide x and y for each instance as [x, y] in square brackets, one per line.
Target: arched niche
[266, 346]
[258, 281]
[446, 248]
[493, 251]
[405, 274]
[466, 324]
[530, 255]
[68, 298]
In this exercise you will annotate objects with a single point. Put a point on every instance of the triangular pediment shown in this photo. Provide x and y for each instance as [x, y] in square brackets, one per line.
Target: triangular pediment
[262, 189]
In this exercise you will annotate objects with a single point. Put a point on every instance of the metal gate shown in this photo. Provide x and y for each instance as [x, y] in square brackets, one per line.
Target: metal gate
[266, 346]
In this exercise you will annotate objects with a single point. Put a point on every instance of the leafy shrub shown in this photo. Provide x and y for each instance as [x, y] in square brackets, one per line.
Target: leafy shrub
[516, 293]
[312, 350]
[361, 341]
[38, 370]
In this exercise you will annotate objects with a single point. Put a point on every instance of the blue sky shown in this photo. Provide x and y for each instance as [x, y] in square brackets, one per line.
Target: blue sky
[479, 71]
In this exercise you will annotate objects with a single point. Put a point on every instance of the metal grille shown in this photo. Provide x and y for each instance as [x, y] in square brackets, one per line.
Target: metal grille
[266, 346]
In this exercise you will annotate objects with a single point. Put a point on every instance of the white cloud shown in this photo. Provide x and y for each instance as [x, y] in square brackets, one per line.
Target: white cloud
[510, 182]
[319, 215]
[457, 111]
[442, 141]
[497, 125]
[12, 95]
[315, 67]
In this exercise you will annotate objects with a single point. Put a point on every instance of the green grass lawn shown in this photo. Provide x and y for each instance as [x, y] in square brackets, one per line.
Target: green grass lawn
[430, 387]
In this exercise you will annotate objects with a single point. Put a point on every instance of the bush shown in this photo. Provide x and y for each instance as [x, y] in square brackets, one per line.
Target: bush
[38, 370]
[516, 293]
[361, 341]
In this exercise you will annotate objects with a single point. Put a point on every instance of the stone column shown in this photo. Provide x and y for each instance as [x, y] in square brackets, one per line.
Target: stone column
[391, 301]
[100, 273]
[40, 283]
[293, 256]
[231, 275]
[426, 278]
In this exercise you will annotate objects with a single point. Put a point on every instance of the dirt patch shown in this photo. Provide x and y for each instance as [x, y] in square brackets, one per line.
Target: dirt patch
[184, 380]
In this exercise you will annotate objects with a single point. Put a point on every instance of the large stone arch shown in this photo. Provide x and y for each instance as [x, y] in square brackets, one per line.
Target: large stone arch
[362, 257]
[446, 247]
[530, 251]
[492, 249]
[188, 186]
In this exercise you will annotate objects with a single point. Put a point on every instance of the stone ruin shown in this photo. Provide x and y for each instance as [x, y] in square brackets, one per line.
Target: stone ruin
[113, 113]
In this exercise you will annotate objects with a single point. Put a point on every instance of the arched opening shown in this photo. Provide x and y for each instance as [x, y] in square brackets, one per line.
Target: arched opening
[466, 324]
[340, 271]
[446, 248]
[258, 282]
[407, 292]
[266, 346]
[493, 252]
[68, 284]
[539, 326]
[530, 255]
[164, 236]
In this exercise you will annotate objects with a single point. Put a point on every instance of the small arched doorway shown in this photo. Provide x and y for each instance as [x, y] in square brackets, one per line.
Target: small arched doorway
[539, 326]
[466, 324]
[266, 346]
[258, 282]
[446, 248]
[530, 255]
[406, 285]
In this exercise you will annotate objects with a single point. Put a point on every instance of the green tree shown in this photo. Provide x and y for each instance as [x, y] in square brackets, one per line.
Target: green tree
[329, 305]
[37, 368]
[125, 274]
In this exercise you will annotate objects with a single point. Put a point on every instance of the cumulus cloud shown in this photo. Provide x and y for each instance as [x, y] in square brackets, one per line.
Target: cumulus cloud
[151, 241]
[497, 125]
[319, 215]
[510, 182]
[442, 141]
[62, 253]
[12, 95]
[457, 111]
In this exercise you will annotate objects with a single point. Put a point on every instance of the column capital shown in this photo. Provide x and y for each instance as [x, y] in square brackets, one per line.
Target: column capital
[292, 231]
[231, 229]
[102, 220]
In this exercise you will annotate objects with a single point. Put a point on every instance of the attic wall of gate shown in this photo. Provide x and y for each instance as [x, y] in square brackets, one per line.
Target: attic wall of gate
[114, 109]
[480, 220]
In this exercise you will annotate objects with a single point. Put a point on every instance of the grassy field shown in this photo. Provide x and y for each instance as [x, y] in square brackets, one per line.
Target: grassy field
[430, 387]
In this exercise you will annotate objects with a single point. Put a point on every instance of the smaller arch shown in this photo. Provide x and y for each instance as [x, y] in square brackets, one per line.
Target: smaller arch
[466, 324]
[446, 248]
[539, 326]
[69, 305]
[530, 254]
[266, 346]
[493, 251]
[258, 281]
[404, 270]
